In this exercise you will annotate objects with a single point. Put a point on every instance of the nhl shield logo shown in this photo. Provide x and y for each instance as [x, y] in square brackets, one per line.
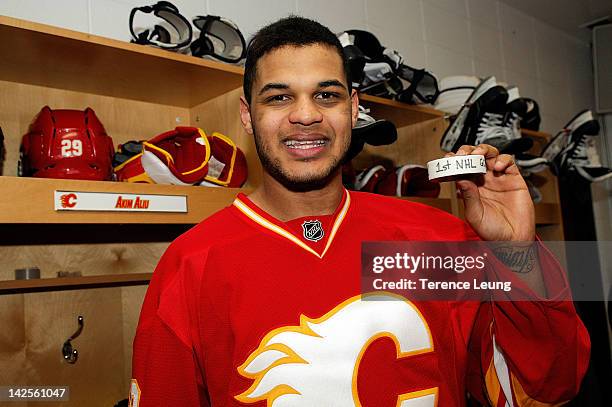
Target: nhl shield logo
[313, 230]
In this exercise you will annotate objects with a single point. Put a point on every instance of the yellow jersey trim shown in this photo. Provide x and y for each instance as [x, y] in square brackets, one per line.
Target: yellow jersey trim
[257, 218]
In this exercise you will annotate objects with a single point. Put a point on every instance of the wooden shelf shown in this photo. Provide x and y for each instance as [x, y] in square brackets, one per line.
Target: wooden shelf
[73, 283]
[43, 55]
[401, 114]
[547, 214]
[53, 57]
[30, 200]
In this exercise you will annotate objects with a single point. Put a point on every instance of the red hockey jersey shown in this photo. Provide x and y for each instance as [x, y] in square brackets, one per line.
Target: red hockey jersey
[245, 309]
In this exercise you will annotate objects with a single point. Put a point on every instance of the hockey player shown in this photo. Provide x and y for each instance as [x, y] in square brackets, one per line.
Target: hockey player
[260, 304]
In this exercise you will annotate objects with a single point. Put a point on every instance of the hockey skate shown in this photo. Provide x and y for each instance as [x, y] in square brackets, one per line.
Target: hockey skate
[574, 148]
[488, 97]
[502, 129]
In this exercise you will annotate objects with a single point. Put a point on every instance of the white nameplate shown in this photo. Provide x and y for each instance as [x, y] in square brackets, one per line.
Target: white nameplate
[451, 168]
[111, 202]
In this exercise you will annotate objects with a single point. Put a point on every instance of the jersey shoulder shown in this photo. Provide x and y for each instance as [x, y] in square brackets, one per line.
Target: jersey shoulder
[217, 226]
[217, 229]
[186, 256]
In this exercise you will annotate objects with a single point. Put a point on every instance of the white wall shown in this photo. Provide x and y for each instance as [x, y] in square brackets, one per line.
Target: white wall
[449, 37]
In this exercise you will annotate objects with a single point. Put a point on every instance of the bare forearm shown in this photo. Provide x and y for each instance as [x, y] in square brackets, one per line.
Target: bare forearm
[522, 259]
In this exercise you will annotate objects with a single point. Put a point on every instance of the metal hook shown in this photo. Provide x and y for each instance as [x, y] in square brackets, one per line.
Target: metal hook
[71, 355]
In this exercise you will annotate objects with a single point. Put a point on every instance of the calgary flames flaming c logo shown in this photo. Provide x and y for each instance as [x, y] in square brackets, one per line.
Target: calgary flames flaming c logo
[68, 200]
[316, 363]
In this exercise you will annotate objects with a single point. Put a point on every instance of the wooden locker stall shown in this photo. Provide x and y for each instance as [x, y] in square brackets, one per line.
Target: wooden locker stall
[137, 92]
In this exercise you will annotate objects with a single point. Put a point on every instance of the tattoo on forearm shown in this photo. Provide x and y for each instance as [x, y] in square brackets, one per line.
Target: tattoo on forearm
[518, 259]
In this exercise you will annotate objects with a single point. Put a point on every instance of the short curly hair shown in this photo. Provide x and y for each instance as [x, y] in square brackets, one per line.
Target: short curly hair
[289, 31]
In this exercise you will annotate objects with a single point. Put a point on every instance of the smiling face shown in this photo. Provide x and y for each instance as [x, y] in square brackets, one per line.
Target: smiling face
[301, 115]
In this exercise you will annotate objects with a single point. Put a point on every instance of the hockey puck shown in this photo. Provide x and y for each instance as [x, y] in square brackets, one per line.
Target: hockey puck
[456, 167]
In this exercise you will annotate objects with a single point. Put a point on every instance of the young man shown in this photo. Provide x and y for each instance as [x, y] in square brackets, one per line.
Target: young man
[260, 304]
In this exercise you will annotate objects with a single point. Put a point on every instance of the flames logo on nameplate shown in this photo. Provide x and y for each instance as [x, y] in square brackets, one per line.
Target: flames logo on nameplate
[68, 200]
[313, 230]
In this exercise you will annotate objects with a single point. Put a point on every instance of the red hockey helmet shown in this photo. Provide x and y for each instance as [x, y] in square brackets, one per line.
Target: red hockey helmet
[66, 144]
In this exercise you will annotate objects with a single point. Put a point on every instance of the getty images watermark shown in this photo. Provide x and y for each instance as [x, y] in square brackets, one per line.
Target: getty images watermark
[501, 271]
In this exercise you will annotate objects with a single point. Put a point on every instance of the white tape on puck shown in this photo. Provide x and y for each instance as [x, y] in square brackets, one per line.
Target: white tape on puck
[451, 168]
